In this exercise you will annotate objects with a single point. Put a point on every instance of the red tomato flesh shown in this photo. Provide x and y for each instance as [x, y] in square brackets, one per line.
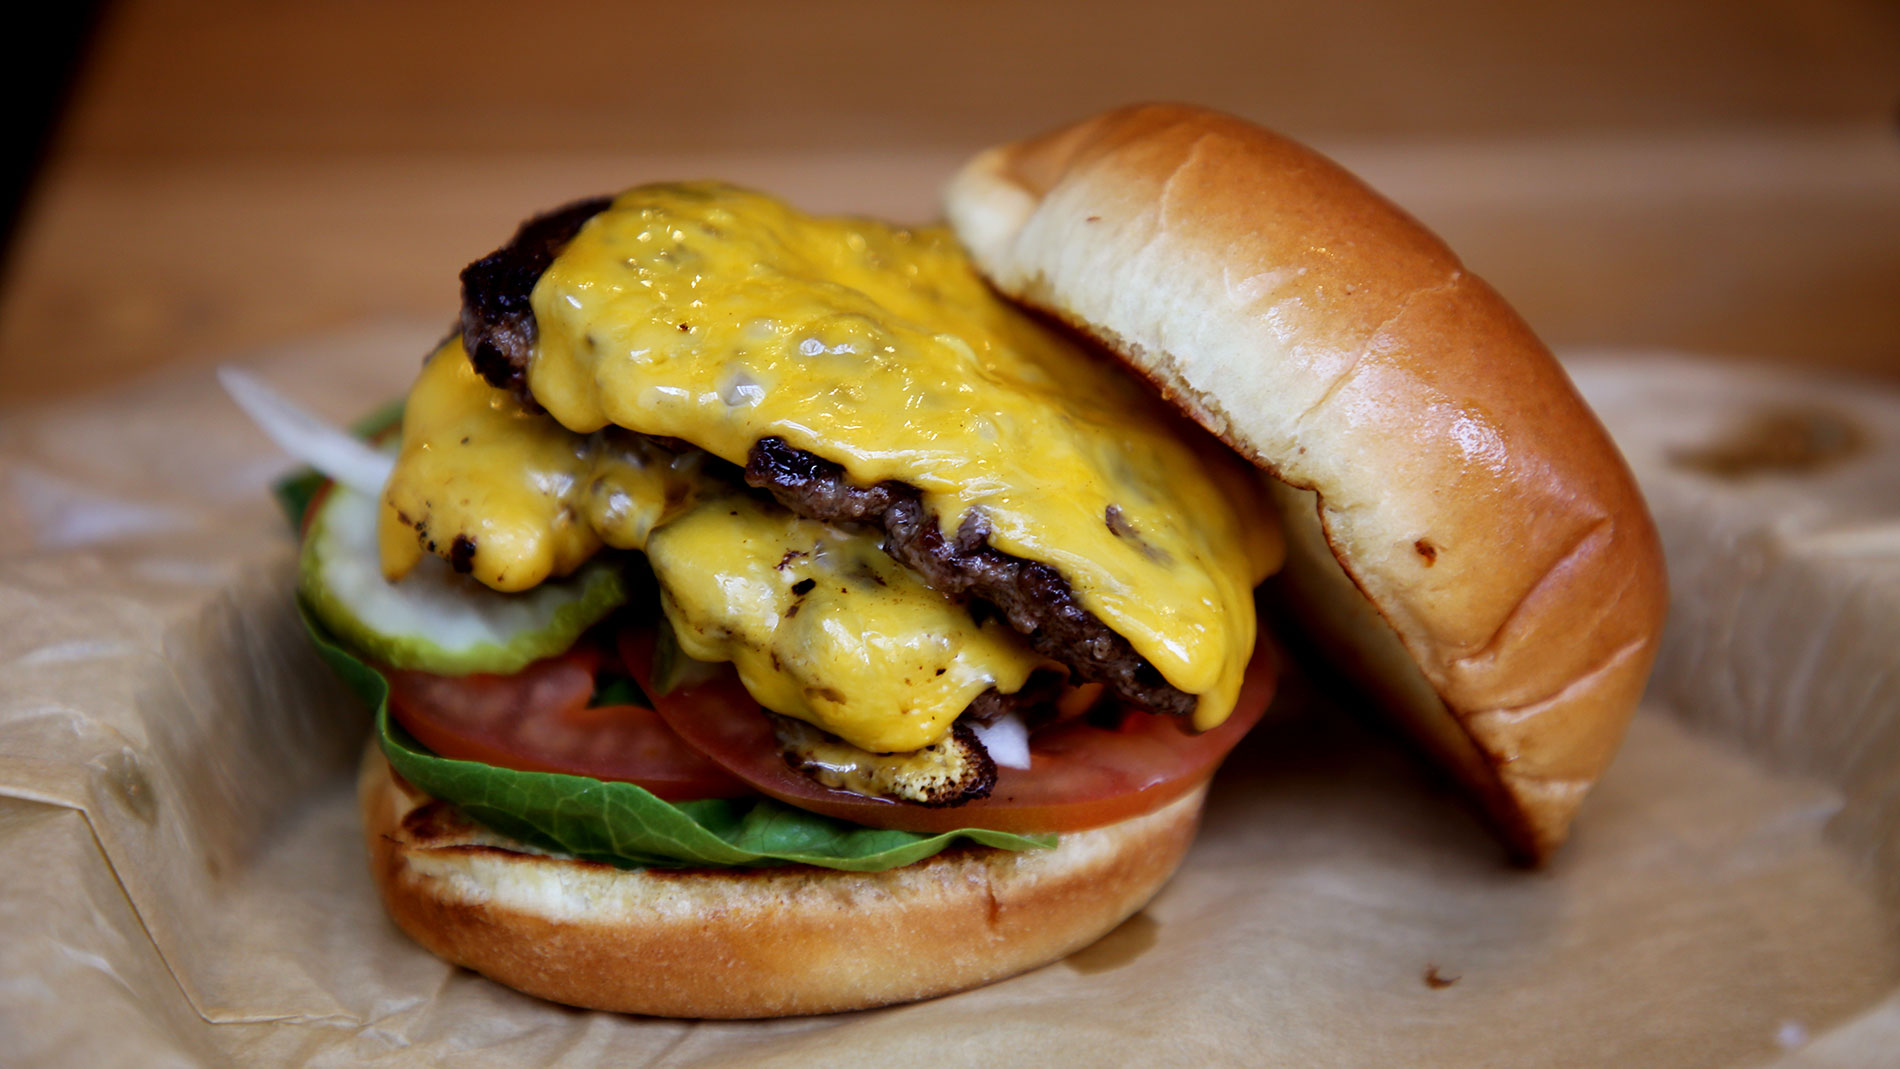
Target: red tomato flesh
[1081, 775]
[538, 720]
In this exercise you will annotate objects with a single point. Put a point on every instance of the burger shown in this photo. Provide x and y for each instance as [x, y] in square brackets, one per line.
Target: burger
[772, 614]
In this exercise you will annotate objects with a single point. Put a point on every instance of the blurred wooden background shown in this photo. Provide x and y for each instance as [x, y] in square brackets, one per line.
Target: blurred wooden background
[1719, 176]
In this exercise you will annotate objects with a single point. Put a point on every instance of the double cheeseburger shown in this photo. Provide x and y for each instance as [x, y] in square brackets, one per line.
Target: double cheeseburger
[775, 614]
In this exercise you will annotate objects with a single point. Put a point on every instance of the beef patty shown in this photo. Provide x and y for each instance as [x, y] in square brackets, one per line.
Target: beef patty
[497, 317]
[498, 331]
[1033, 597]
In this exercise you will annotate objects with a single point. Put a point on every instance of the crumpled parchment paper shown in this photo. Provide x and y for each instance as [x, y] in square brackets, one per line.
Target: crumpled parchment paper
[182, 880]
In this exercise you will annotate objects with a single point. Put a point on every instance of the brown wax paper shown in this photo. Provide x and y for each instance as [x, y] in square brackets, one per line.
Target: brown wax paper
[182, 877]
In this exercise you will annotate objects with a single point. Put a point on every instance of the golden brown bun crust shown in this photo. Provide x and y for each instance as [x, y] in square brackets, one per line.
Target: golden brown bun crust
[760, 943]
[1463, 486]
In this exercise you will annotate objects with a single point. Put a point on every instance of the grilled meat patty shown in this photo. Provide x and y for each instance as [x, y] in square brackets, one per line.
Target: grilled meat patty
[497, 318]
[1033, 597]
[498, 331]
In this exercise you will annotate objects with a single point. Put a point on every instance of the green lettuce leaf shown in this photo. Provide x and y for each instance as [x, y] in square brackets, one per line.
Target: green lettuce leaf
[626, 825]
[620, 823]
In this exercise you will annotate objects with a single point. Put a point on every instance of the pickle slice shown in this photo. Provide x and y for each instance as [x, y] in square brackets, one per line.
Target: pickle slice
[435, 620]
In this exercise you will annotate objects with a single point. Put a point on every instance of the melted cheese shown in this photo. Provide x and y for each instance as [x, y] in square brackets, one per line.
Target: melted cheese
[718, 316]
[821, 623]
[949, 770]
[522, 496]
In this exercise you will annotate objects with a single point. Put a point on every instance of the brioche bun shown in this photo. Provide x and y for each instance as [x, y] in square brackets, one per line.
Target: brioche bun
[752, 942]
[1464, 536]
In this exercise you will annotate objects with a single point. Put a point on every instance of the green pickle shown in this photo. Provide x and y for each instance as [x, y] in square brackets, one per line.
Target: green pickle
[435, 620]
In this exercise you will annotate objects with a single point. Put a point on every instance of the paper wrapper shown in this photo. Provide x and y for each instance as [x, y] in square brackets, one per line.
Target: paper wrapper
[182, 877]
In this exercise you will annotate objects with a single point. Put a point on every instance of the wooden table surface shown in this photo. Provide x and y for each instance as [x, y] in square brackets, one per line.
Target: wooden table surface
[1717, 176]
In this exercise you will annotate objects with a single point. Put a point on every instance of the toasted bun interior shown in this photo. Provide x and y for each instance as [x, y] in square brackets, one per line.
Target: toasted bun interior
[752, 943]
[1476, 548]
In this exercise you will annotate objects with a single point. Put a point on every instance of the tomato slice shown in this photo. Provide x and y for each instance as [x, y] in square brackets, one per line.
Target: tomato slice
[1081, 775]
[538, 721]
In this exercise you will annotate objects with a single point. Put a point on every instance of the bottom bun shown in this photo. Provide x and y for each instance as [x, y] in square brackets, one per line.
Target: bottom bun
[752, 942]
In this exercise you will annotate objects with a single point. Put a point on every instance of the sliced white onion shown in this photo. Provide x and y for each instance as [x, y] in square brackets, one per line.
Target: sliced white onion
[1007, 740]
[329, 449]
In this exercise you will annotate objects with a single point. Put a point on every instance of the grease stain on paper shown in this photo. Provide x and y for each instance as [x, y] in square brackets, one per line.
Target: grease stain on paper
[1778, 440]
[122, 775]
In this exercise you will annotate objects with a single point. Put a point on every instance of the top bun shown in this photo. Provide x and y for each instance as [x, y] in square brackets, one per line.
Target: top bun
[1510, 588]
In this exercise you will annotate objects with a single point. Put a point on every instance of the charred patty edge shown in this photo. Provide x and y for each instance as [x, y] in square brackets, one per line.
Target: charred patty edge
[499, 333]
[1034, 598]
[498, 328]
[978, 778]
